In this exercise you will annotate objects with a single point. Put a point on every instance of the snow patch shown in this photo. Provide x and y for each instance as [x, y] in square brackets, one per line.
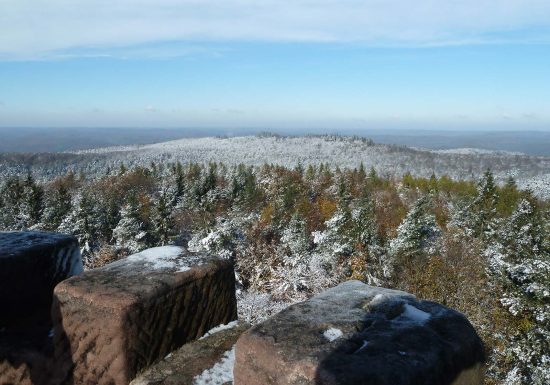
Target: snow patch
[220, 373]
[159, 258]
[219, 328]
[332, 334]
[411, 313]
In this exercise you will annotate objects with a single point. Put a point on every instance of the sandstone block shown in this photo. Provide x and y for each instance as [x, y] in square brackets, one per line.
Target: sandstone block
[118, 319]
[358, 334]
[31, 264]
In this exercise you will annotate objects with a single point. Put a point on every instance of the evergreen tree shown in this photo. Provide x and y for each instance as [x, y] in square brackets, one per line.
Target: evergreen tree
[485, 206]
[58, 206]
[32, 205]
[418, 231]
[521, 263]
[83, 223]
[12, 197]
[162, 219]
[365, 230]
[131, 231]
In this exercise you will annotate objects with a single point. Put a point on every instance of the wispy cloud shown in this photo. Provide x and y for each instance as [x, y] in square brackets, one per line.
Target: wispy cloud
[46, 29]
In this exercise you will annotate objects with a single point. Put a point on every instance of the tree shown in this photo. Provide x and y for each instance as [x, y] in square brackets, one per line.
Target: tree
[131, 232]
[83, 223]
[485, 206]
[58, 206]
[32, 205]
[418, 231]
[12, 197]
[163, 224]
[520, 261]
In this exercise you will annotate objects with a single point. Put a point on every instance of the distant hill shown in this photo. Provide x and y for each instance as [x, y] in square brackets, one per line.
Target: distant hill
[32, 140]
[345, 152]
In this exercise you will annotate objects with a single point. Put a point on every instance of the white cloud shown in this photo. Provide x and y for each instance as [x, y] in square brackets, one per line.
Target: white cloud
[46, 28]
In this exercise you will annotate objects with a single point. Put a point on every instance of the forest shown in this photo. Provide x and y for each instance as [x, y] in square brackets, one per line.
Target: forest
[478, 246]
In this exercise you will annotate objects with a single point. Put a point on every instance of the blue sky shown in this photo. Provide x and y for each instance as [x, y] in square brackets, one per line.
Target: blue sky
[322, 64]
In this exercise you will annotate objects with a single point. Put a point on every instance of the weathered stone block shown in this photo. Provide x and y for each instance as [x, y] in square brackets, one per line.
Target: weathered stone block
[31, 264]
[358, 334]
[120, 318]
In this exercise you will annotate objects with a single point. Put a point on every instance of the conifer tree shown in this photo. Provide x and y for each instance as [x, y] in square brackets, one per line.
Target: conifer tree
[131, 231]
[418, 231]
[12, 197]
[32, 203]
[58, 206]
[521, 263]
[162, 219]
[485, 206]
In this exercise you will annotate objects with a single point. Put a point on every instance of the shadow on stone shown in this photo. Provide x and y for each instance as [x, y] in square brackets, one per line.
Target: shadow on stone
[62, 370]
[355, 334]
[388, 350]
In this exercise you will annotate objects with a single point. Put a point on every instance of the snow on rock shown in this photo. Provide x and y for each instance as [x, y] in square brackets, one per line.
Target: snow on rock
[220, 373]
[163, 257]
[219, 328]
[332, 334]
[412, 313]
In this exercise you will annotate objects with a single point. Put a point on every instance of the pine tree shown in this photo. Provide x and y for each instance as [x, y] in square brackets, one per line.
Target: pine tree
[485, 206]
[131, 231]
[83, 223]
[32, 205]
[418, 231]
[12, 197]
[520, 261]
[162, 219]
[58, 206]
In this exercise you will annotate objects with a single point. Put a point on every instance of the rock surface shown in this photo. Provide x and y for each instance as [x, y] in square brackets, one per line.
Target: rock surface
[192, 359]
[31, 264]
[116, 320]
[358, 334]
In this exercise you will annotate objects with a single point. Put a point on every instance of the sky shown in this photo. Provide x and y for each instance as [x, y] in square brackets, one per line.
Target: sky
[304, 64]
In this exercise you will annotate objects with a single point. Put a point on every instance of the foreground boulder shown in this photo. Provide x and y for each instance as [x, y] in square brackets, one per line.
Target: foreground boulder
[358, 334]
[31, 264]
[118, 319]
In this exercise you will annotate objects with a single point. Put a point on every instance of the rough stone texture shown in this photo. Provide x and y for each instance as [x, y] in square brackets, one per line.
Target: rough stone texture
[191, 359]
[387, 338]
[116, 320]
[31, 264]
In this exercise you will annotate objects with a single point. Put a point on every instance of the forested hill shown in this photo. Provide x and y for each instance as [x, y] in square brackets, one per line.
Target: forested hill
[531, 172]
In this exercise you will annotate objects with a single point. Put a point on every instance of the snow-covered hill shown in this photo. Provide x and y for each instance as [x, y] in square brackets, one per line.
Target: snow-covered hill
[344, 152]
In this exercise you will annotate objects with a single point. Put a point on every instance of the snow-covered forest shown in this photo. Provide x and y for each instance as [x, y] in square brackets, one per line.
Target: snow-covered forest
[531, 172]
[295, 229]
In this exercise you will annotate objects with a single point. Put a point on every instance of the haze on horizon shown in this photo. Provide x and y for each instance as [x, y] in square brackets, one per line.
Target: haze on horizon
[301, 65]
